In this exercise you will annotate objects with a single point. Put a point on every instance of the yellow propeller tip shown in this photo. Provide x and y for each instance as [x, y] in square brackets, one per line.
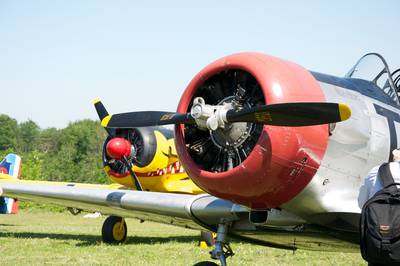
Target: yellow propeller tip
[105, 120]
[96, 100]
[344, 111]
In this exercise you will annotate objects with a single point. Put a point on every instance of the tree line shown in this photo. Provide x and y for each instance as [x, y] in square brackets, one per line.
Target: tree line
[71, 154]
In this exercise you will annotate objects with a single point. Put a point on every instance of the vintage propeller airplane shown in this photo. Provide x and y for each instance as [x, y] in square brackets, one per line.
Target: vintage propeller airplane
[264, 138]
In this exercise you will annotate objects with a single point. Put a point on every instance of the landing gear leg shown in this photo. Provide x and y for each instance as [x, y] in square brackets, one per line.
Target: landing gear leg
[222, 250]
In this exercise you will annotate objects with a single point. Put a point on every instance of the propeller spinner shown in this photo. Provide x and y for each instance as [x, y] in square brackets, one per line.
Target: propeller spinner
[117, 148]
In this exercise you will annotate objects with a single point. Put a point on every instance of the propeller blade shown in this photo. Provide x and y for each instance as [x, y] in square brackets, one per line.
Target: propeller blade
[102, 113]
[135, 179]
[292, 114]
[145, 119]
[100, 109]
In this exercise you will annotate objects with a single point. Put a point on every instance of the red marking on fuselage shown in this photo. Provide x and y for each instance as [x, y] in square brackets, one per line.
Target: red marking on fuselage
[3, 170]
[174, 168]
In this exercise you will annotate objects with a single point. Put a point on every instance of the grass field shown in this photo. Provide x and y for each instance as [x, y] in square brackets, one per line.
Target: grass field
[46, 238]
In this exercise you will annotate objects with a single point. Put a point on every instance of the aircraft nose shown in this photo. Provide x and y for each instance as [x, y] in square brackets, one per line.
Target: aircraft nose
[117, 148]
[258, 166]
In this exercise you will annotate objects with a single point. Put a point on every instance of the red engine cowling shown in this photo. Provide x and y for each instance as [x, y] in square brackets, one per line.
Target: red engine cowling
[254, 165]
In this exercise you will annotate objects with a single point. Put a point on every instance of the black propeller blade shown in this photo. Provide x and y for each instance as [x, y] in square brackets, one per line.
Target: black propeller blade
[145, 119]
[292, 114]
[102, 113]
[284, 114]
[132, 173]
[100, 109]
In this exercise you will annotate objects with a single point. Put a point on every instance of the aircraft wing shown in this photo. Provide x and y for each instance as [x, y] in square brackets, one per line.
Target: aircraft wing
[159, 207]
[282, 230]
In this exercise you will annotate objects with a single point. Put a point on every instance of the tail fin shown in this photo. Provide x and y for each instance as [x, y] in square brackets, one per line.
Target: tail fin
[10, 165]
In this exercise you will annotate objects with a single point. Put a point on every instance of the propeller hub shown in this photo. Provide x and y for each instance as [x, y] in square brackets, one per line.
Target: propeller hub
[117, 148]
[232, 135]
[210, 117]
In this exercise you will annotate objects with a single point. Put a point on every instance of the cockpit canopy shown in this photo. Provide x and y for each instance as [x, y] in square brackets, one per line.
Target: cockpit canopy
[372, 67]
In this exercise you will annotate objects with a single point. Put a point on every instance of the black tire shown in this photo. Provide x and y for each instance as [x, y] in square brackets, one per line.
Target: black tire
[206, 263]
[112, 232]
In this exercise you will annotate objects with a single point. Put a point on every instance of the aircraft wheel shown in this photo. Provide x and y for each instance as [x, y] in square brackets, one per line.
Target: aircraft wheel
[206, 263]
[114, 230]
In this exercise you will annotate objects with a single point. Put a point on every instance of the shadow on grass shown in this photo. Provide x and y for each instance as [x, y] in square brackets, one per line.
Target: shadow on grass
[89, 240]
[8, 225]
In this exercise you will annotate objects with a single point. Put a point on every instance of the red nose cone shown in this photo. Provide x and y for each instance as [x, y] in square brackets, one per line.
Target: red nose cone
[118, 148]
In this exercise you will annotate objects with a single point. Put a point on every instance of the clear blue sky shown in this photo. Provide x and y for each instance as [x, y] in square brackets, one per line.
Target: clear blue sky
[56, 56]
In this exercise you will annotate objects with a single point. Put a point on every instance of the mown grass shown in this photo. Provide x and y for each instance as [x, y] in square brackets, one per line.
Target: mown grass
[37, 237]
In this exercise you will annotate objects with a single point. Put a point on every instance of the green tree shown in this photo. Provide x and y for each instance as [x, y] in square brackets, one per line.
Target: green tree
[78, 155]
[72, 154]
[28, 134]
[31, 167]
[49, 140]
[8, 132]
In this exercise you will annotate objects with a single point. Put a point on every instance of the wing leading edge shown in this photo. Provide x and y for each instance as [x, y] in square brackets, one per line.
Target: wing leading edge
[153, 206]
